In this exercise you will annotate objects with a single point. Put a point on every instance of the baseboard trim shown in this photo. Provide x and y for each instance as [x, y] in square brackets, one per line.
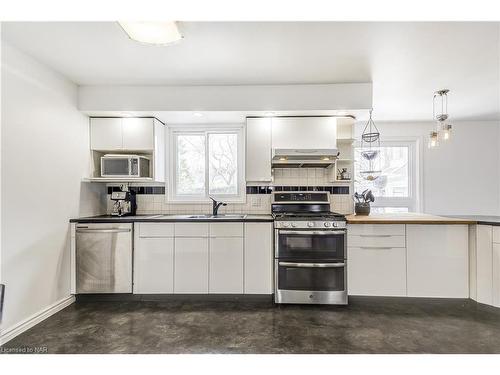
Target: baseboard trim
[34, 319]
[174, 297]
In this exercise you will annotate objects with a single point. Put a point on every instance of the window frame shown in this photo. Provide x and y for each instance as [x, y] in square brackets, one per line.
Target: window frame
[172, 165]
[413, 202]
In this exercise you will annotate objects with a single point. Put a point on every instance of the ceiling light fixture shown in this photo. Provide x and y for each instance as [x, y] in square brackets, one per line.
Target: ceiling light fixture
[158, 33]
[198, 114]
[443, 128]
[433, 140]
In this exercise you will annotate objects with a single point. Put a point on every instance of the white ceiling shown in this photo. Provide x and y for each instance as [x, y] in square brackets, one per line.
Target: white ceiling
[406, 62]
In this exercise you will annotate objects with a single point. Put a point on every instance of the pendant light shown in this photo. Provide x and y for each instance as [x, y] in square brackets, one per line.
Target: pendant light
[443, 128]
[370, 149]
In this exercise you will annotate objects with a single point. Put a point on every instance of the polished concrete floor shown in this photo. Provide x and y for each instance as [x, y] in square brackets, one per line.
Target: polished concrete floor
[367, 325]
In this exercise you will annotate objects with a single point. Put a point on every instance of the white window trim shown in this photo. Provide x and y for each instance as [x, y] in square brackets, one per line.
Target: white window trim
[414, 201]
[171, 163]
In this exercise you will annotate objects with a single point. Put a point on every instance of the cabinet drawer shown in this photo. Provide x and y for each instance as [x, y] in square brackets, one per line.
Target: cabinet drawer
[393, 229]
[226, 230]
[375, 241]
[156, 230]
[191, 229]
[496, 234]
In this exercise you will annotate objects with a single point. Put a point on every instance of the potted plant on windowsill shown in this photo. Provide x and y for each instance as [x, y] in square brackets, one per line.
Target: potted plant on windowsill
[362, 202]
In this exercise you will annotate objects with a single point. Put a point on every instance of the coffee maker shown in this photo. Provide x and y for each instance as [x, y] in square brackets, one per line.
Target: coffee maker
[124, 203]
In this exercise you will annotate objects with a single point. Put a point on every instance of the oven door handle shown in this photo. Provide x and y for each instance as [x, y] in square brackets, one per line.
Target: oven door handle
[315, 232]
[312, 265]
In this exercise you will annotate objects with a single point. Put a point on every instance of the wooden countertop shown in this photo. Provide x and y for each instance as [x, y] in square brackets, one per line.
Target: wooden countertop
[405, 218]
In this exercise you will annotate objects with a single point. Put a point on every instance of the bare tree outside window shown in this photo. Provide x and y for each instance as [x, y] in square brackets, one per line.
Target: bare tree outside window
[206, 164]
[223, 163]
[191, 164]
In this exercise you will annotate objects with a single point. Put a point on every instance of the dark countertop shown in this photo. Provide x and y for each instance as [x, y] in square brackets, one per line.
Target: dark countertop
[480, 219]
[172, 218]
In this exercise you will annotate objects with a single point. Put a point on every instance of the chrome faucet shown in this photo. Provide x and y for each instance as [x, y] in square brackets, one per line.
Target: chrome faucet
[216, 205]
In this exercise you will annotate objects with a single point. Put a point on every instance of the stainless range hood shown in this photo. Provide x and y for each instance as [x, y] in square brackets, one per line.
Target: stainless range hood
[304, 158]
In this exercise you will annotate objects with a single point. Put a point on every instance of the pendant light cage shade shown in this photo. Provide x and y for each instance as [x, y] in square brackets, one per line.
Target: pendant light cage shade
[443, 128]
[370, 150]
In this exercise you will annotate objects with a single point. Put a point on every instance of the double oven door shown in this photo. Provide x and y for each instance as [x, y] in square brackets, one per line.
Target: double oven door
[310, 266]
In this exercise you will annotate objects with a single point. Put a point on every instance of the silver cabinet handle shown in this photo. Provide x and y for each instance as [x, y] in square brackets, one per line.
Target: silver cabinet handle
[375, 235]
[312, 265]
[103, 230]
[376, 247]
[315, 232]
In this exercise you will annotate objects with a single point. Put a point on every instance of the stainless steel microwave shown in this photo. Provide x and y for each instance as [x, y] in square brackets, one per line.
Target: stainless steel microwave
[125, 166]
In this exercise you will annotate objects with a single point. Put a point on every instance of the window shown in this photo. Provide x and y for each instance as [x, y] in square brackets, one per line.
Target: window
[206, 162]
[395, 190]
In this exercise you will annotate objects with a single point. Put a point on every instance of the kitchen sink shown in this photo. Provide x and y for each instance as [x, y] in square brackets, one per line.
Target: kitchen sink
[222, 216]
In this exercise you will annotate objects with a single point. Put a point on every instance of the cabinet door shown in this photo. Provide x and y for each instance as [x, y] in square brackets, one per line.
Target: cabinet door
[496, 275]
[304, 132]
[258, 258]
[438, 262]
[106, 134]
[484, 276]
[226, 265]
[138, 133]
[154, 265]
[191, 265]
[258, 149]
[376, 271]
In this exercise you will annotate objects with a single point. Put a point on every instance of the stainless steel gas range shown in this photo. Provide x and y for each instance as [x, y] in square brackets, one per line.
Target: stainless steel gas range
[310, 249]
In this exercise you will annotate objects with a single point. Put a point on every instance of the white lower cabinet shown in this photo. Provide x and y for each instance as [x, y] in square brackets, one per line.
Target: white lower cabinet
[153, 259]
[201, 258]
[376, 260]
[226, 265]
[496, 275]
[484, 269]
[258, 262]
[191, 265]
[376, 271]
[438, 260]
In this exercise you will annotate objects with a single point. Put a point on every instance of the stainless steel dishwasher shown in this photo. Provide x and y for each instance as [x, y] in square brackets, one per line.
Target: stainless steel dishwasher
[104, 258]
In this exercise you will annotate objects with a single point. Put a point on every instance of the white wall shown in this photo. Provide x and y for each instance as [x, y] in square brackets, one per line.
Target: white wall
[339, 96]
[44, 156]
[462, 176]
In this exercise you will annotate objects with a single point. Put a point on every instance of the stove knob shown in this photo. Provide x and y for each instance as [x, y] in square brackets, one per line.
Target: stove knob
[327, 224]
[294, 225]
[310, 224]
[285, 224]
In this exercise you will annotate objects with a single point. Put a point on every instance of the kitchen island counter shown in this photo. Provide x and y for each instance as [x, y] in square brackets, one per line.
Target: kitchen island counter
[481, 219]
[407, 218]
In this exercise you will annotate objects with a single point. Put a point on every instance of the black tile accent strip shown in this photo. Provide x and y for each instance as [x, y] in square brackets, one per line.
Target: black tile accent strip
[159, 190]
[270, 189]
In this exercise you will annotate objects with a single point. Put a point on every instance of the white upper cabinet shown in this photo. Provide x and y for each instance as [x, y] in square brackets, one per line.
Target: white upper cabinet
[304, 132]
[258, 149]
[106, 134]
[120, 134]
[138, 133]
[143, 136]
